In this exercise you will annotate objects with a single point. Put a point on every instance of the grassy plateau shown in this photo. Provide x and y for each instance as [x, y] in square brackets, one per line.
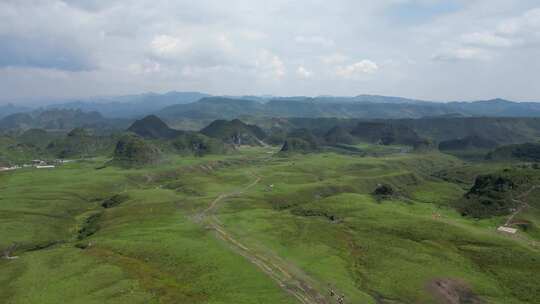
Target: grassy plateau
[259, 227]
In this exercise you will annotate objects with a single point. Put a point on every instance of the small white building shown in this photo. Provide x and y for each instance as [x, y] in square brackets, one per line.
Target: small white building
[45, 167]
[507, 230]
[9, 168]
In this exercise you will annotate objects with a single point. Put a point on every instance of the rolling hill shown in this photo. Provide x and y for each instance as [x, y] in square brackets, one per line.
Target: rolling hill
[500, 130]
[467, 143]
[235, 132]
[134, 151]
[153, 127]
[528, 152]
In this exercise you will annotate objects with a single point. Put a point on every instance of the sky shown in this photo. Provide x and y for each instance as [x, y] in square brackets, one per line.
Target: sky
[429, 49]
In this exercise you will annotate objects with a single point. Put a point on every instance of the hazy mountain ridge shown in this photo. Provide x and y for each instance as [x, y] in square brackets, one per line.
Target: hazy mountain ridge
[192, 110]
[10, 108]
[364, 107]
[60, 119]
[130, 105]
[196, 105]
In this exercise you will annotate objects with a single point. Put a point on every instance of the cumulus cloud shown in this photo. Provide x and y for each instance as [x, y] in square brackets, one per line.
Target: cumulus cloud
[356, 69]
[197, 48]
[333, 59]
[165, 45]
[303, 72]
[147, 67]
[527, 23]
[269, 65]
[108, 47]
[507, 33]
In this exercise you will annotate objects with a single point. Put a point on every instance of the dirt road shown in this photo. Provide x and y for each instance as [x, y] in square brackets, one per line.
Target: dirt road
[293, 281]
[522, 204]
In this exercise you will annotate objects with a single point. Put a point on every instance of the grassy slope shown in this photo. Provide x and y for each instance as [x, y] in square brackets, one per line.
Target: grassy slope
[150, 250]
[147, 250]
[390, 249]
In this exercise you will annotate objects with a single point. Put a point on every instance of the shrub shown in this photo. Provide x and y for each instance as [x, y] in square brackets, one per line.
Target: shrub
[114, 201]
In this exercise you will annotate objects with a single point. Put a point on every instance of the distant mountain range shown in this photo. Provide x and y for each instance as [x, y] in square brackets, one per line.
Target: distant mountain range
[9, 109]
[192, 110]
[60, 119]
[364, 106]
[130, 106]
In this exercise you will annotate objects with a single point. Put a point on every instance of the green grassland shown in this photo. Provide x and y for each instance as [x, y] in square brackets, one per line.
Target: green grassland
[312, 214]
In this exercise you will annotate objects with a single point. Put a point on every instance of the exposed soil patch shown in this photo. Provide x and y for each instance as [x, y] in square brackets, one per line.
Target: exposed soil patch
[450, 291]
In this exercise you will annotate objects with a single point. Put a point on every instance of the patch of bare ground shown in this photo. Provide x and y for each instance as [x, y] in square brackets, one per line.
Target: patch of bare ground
[451, 291]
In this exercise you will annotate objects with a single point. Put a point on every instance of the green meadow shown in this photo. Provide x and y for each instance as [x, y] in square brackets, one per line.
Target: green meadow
[311, 217]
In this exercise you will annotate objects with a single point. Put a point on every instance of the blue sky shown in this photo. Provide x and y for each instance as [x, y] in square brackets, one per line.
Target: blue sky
[430, 49]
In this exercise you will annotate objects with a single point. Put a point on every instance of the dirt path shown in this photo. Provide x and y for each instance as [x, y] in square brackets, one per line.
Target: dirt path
[451, 291]
[262, 143]
[522, 204]
[294, 282]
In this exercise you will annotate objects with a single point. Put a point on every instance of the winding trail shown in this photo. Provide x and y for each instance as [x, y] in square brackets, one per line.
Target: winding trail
[294, 282]
[522, 205]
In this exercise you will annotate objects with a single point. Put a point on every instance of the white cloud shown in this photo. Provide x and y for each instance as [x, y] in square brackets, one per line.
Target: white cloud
[270, 65]
[511, 33]
[333, 59]
[486, 39]
[528, 22]
[146, 67]
[507, 33]
[165, 45]
[303, 72]
[314, 40]
[108, 47]
[362, 67]
[225, 43]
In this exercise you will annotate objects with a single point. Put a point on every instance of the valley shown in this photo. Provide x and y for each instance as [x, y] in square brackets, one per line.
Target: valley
[261, 209]
[269, 152]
